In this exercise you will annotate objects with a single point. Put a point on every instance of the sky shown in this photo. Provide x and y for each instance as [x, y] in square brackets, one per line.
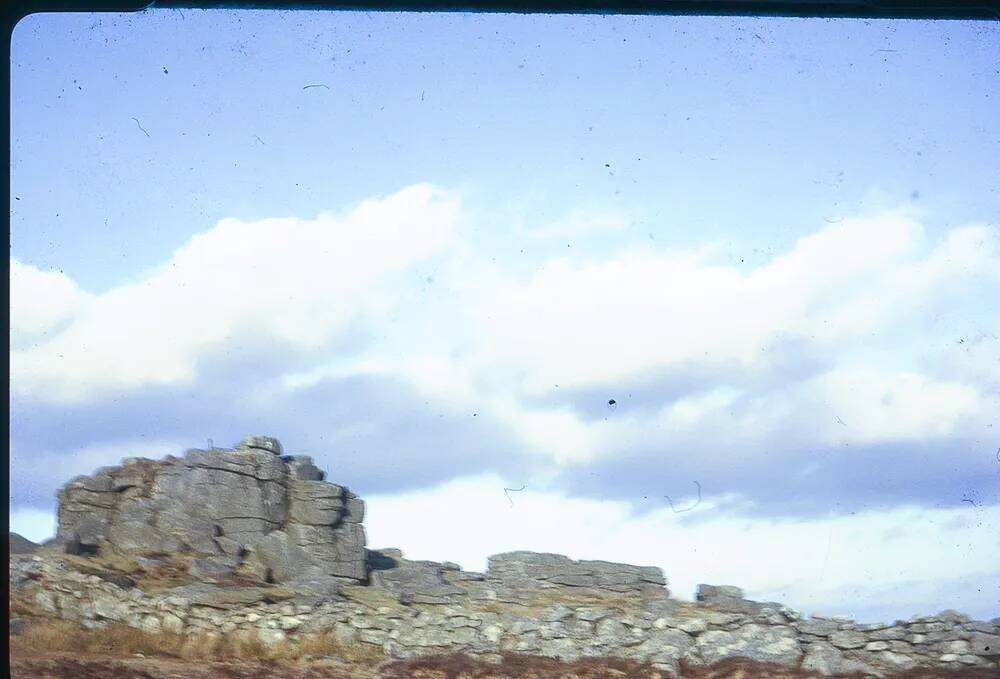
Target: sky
[720, 295]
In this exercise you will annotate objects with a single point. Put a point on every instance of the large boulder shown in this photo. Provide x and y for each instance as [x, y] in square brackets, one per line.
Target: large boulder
[412, 582]
[762, 643]
[730, 599]
[246, 507]
[826, 659]
[557, 569]
[522, 577]
[717, 592]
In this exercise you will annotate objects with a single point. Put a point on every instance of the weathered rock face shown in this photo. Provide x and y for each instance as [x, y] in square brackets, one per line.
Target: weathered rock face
[412, 582]
[247, 507]
[523, 572]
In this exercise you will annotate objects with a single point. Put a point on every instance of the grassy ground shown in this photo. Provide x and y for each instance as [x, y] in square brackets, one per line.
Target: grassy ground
[58, 650]
[84, 666]
[155, 576]
[120, 640]
[69, 666]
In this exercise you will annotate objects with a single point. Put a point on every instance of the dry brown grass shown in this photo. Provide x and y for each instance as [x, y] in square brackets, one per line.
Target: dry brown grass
[746, 669]
[107, 561]
[165, 571]
[327, 644]
[64, 666]
[517, 666]
[45, 637]
[169, 571]
[19, 606]
[60, 651]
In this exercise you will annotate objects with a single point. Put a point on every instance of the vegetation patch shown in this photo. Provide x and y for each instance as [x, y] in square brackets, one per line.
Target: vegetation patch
[45, 637]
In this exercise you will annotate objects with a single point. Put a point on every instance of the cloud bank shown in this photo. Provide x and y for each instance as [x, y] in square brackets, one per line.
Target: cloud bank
[871, 565]
[850, 384]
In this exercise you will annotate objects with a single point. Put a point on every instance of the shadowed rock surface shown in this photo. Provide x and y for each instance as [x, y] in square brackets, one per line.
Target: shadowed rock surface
[411, 582]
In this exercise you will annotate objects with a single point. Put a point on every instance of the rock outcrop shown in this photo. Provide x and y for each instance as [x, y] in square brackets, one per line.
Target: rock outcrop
[246, 509]
[248, 539]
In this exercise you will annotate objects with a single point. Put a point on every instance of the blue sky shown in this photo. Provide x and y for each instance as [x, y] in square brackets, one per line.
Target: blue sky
[428, 249]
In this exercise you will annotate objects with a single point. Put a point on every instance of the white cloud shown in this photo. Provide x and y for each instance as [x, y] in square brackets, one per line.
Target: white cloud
[470, 333]
[577, 324]
[826, 565]
[857, 293]
[286, 283]
[42, 303]
[875, 407]
[36, 466]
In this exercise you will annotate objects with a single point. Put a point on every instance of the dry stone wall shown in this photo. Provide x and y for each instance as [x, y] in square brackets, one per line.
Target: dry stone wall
[567, 622]
[269, 548]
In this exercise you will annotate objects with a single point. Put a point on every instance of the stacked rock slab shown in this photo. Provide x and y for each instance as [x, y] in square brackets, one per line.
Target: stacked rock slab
[247, 507]
[520, 574]
[413, 582]
[519, 578]
[729, 599]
